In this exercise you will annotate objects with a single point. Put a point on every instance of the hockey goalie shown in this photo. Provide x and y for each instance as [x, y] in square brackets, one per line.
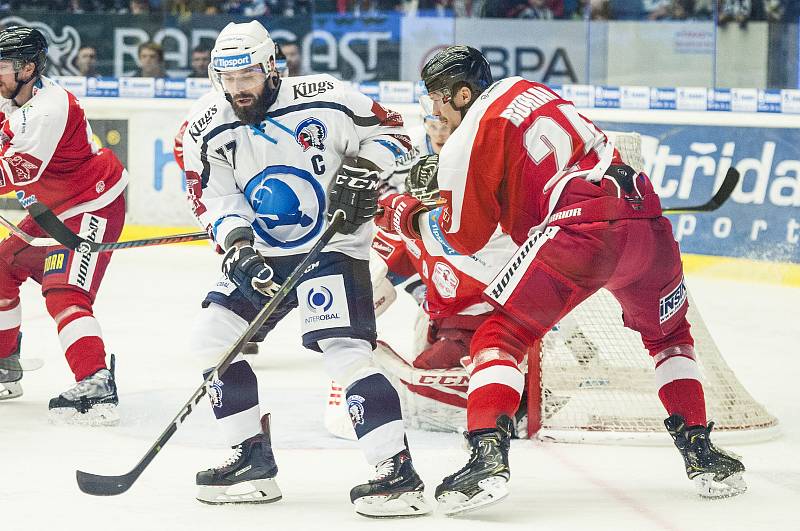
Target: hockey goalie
[432, 379]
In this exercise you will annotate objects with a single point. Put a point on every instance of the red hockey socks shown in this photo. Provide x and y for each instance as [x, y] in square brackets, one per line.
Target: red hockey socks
[679, 387]
[495, 388]
[78, 331]
[10, 318]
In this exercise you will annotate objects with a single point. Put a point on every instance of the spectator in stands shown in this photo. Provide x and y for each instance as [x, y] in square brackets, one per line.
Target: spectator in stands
[151, 60]
[140, 7]
[201, 57]
[539, 9]
[734, 11]
[86, 61]
[294, 58]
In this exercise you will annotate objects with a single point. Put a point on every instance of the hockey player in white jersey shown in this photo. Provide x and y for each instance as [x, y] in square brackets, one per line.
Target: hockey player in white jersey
[261, 161]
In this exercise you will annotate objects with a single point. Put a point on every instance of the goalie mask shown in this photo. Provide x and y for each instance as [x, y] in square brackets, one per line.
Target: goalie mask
[421, 181]
[243, 61]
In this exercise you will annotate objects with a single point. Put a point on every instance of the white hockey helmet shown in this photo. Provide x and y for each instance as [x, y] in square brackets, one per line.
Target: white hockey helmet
[241, 46]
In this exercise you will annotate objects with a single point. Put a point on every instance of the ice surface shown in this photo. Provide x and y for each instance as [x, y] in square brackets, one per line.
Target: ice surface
[146, 307]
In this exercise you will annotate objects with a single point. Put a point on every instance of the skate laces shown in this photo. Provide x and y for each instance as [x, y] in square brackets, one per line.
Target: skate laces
[384, 469]
[237, 454]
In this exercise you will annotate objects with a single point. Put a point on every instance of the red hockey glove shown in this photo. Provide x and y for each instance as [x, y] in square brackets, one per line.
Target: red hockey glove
[400, 215]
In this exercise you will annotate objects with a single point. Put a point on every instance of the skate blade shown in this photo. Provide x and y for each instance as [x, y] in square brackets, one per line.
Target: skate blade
[708, 487]
[9, 390]
[405, 505]
[493, 490]
[98, 415]
[253, 491]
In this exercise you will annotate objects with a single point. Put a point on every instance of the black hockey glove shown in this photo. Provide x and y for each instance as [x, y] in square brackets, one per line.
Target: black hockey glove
[251, 274]
[355, 192]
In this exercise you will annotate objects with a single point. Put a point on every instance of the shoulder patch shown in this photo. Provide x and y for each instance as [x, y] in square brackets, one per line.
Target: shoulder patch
[311, 132]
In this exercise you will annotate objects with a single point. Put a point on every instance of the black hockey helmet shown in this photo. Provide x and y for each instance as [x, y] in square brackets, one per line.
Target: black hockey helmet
[422, 180]
[454, 67]
[24, 45]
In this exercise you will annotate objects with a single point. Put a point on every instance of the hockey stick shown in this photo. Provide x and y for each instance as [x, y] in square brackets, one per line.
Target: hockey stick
[25, 364]
[99, 485]
[63, 235]
[722, 195]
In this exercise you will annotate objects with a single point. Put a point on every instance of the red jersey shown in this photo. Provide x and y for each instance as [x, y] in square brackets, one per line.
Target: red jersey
[47, 154]
[454, 283]
[510, 161]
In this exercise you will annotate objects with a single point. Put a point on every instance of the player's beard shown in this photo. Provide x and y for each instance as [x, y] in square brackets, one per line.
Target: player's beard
[255, 112]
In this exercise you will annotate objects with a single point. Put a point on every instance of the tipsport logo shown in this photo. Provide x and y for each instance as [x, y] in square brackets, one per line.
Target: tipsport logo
[233, 61]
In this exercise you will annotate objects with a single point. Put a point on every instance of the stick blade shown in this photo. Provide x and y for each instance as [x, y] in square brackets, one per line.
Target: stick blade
[727, 187]
[103, 485]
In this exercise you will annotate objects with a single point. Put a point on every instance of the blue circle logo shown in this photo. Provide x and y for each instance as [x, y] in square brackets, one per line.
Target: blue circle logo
[289, 205]
[320, 299]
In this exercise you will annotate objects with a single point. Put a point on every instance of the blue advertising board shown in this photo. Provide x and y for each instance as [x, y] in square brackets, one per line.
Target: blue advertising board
[686, 163]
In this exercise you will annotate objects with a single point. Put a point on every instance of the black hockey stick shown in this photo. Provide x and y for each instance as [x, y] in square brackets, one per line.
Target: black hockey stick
[722, 195]
[98, 485]
[62, 235]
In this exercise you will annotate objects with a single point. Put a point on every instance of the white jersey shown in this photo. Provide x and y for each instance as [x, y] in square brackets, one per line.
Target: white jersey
[421, 141]
[274, 177]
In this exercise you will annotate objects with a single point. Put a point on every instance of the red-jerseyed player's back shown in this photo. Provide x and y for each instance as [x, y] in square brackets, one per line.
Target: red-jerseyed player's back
[506, 161]
[46, 151]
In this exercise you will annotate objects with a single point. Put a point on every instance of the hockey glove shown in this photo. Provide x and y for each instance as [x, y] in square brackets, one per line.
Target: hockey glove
[355, 192]
[251, 274]
[399, 215]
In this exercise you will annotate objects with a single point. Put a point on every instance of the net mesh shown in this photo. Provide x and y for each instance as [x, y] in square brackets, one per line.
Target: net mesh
[597, 376]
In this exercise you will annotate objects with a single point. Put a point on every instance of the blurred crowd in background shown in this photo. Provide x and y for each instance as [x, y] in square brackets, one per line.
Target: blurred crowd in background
[723, 11]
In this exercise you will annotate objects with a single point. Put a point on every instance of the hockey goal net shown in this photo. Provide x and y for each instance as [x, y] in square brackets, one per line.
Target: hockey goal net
[591, 380]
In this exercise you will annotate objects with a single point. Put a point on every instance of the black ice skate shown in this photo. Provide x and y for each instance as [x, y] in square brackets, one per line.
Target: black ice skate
[396, 490]
[484, 479]
[11, 374]
[92, 401]
[248, 476]
[716, 473]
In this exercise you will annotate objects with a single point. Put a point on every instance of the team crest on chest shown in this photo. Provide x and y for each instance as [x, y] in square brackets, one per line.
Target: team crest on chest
[311, 132]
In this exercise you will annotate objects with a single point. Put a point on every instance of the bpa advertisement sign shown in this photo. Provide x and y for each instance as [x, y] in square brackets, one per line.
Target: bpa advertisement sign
[686, 164]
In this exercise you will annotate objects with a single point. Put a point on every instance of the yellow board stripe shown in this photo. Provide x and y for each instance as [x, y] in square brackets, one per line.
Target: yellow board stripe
[712, 266]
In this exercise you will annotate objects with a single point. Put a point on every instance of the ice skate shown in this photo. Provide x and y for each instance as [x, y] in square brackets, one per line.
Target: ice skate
[484, 479]
[11, 375]
[248, 476]
[92, 401]
[396, 490]
[716, 473]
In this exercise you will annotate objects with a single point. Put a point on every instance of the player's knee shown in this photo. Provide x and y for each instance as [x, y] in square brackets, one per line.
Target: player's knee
[5, 303]
[66, 305]
[214, 331]
[347, 360]
[499, 332]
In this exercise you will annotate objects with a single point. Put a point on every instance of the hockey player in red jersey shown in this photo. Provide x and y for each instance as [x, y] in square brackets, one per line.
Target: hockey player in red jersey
[452, 285]
[46, 155]
[521, 156]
